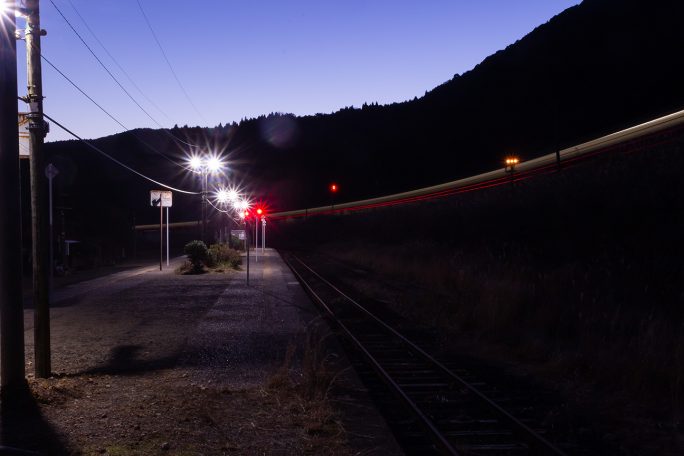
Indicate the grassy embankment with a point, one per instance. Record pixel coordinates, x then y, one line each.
579 271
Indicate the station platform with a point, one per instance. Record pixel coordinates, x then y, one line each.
143 357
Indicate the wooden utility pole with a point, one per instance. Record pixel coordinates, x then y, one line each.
39 229
11 306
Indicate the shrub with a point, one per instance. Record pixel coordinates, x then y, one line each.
197 254
222 255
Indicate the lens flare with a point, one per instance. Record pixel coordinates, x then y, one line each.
222 196
214 164
195 162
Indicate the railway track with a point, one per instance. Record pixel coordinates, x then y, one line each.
442 411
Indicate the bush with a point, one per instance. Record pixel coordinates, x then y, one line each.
197 254
222 255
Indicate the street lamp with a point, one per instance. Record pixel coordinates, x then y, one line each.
204 165
229 197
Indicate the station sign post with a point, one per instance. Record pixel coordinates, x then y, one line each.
162 199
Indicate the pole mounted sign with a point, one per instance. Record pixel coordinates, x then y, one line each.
161 197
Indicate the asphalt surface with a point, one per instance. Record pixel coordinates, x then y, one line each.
243 338
215 324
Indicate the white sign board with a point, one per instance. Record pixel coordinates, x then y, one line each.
24 150
240 234
157 197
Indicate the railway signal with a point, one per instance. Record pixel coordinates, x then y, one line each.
511 162
333 190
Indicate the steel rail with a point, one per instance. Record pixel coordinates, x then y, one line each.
523 430
426 422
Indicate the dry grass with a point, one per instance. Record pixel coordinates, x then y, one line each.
563 319
170 413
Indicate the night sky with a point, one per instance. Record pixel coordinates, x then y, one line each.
240 59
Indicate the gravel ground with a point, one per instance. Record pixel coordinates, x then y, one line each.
149 362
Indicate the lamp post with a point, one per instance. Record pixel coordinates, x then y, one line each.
205 165
224 197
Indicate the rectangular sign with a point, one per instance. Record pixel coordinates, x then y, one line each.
157 197
24 150
240 234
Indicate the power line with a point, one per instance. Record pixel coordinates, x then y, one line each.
116 62
168 62
222 210
105 66
115 79
54 67
111 116
100 151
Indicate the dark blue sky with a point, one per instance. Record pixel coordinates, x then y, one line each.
245 58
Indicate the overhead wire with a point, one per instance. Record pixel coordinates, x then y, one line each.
116 62
105 66
114 78
61 73
105 154
222 210
168 62
110 115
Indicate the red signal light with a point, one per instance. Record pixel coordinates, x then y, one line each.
333 188
260 211
245 214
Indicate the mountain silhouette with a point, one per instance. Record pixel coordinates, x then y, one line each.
595 68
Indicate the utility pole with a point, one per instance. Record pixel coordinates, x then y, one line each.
37 131
11 305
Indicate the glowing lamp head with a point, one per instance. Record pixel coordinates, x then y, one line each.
233 195
260 211
333 188
214 164
242 205
195 163
245 214
222 196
